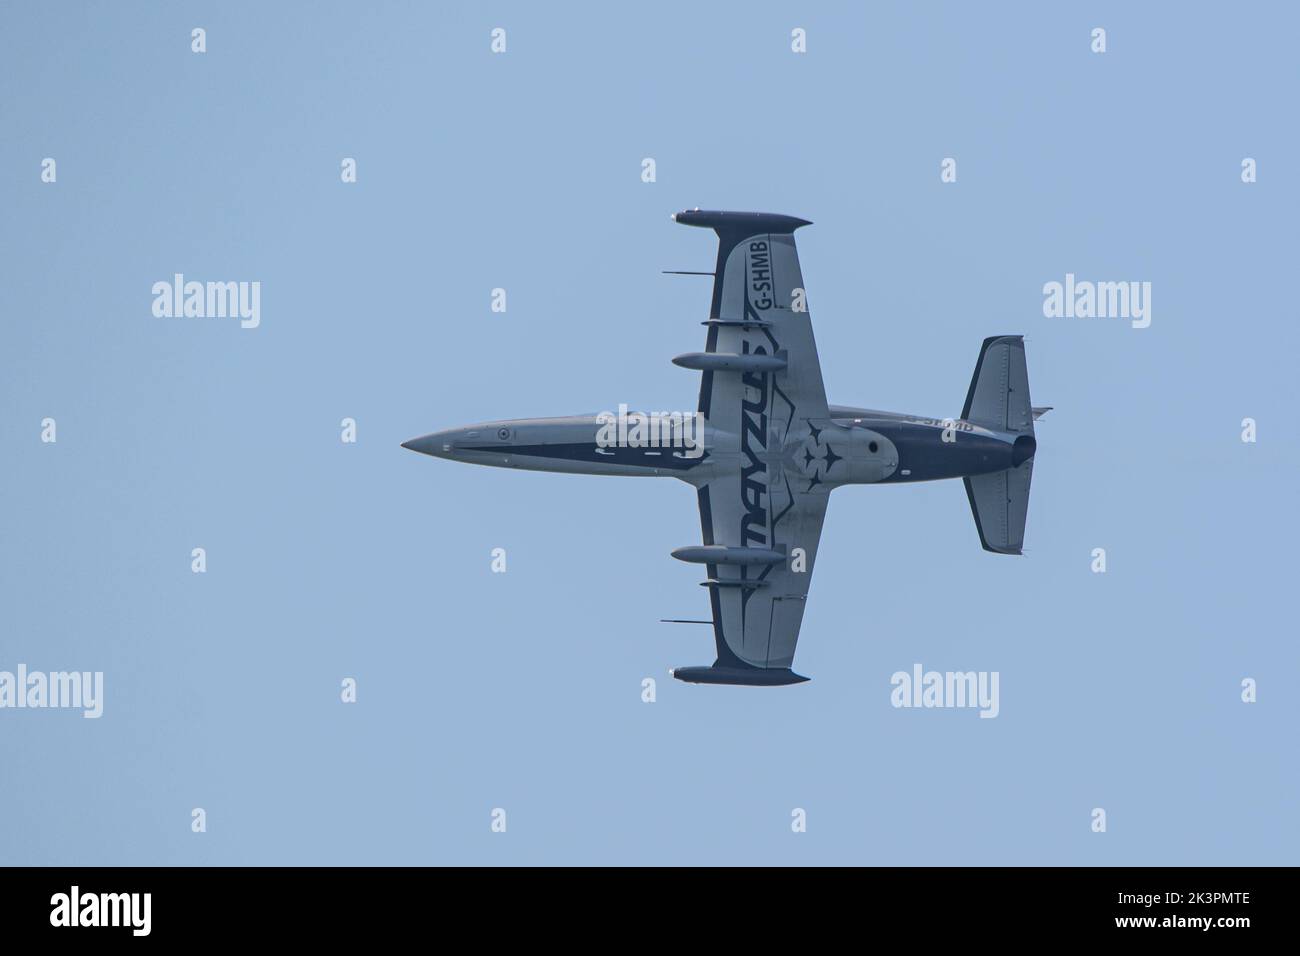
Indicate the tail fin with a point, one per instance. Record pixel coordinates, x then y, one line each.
999 400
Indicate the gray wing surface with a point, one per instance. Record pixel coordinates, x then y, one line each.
757 611
759 308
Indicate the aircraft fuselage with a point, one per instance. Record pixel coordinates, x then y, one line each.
854 446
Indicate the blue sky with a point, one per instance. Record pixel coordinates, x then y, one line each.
523 690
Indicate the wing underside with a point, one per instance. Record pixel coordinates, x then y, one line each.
757 610
759 308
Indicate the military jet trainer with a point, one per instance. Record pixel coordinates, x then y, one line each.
770 449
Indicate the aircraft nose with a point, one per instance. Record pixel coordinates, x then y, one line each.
431 444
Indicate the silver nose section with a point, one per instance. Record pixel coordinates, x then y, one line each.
437 444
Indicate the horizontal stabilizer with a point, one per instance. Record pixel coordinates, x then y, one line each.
999 501
999 399
999 390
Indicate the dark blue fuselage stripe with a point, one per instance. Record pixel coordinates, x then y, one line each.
591 452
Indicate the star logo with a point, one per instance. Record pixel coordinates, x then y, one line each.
818 458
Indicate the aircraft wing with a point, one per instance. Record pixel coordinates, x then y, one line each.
760 529
757 609
759 307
